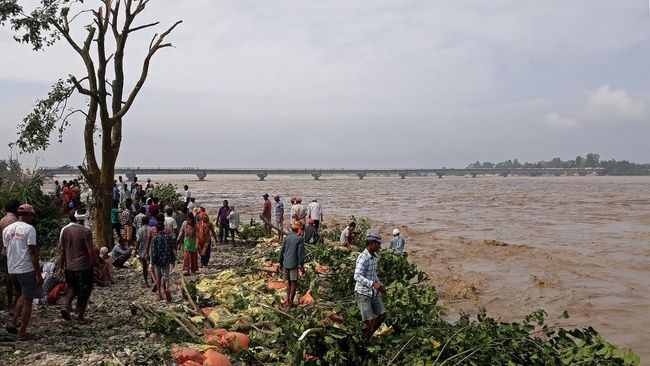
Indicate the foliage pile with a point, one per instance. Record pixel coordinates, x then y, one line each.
328 330
168 193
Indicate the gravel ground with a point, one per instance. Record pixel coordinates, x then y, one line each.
114 336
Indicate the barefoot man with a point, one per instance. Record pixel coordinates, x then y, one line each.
78 258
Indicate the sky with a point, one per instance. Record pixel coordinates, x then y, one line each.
365 84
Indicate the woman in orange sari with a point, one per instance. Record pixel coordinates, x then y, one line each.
204 242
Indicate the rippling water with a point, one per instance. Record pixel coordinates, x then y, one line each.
510 244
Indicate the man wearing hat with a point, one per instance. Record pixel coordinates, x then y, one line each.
397 243
78 257
368 286
292 259
22 261
266 214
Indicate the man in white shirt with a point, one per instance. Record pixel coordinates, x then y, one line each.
348 234
315 212
187 194
22 261
233 223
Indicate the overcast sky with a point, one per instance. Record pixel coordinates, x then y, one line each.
368 84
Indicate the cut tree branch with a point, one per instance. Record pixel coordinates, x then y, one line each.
143 27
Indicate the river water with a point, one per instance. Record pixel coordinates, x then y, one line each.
511 245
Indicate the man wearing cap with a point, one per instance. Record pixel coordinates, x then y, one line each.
397 243
78 257
292 259
22 262
368 286
299 212
266 214
11 216
278 209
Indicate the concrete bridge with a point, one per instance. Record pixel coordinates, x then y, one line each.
202 173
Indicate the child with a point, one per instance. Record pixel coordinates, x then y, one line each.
187 236
163 257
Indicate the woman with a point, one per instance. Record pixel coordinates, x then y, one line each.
187 236
204 242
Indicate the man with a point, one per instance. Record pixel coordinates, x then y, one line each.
266 214
11 216
23 266
368 286
315 212
279 215
348 234
292 259
311 235
299 212
192 204
180 218
116 193
78 258
233 223
171 226
126 221
137 221
134 185
397 243
187 194
121 253
224 225
142 239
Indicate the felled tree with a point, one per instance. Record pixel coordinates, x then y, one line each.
107 27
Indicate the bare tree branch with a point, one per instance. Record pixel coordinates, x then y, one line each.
145 70
143 27
80 87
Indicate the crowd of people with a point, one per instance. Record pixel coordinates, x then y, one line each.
156 232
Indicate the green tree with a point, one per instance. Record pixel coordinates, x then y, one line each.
107 27
591 161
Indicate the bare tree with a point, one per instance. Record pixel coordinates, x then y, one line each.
102 84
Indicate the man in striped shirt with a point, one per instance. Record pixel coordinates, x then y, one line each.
368 286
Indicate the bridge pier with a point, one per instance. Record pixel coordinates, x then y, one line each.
262 176
361 175
316 175
201 176
474 174
131 176
402 175
505 174
440 174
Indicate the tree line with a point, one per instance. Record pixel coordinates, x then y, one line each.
591 160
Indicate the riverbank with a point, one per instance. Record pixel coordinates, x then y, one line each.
115 336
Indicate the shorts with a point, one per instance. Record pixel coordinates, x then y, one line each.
370 306
291 274
26 285
81 282
163 271
127 232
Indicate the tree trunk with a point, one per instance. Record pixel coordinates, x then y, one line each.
103 227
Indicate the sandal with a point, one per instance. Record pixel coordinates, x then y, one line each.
65 315
22 338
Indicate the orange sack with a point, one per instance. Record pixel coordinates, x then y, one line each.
306 299
214 358
183 354
277 285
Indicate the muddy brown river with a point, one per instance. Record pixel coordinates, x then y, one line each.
511 245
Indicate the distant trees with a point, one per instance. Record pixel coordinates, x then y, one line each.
591 160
